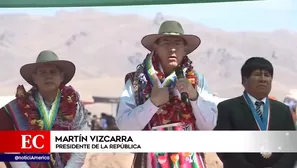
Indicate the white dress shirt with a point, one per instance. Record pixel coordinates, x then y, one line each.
254 100
132 117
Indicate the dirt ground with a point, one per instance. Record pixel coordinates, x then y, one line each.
125 160
212 161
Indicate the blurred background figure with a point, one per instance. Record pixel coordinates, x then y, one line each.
291 101
103 121
272 97
89 118
107 122
95 125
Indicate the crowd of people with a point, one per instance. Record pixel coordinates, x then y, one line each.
104 122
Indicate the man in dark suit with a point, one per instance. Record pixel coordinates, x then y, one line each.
255 111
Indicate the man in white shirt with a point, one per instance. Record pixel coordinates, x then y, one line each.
152 98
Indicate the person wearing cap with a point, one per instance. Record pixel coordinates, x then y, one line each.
48 105
151 99
255 111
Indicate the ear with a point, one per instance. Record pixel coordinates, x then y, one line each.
155 46
244 80
185 49
62 76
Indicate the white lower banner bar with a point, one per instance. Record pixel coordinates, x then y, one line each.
173 141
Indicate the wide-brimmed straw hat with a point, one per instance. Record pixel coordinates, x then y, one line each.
171 28
48 57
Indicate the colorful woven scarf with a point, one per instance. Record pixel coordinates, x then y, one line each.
175 110
60 117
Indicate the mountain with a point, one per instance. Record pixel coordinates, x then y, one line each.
105 46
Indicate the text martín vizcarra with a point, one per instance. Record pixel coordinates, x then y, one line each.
95 142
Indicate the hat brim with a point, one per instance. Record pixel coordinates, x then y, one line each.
192 41
67 67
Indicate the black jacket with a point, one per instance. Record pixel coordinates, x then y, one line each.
234 114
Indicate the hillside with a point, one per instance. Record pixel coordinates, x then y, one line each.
105 47
108 46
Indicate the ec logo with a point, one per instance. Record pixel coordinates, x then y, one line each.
28 141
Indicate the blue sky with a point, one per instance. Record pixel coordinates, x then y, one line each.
265 15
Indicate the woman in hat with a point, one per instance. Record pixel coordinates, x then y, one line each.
48 105
152 97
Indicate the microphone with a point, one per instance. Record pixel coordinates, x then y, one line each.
180 75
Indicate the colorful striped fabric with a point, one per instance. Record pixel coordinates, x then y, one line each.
174 160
